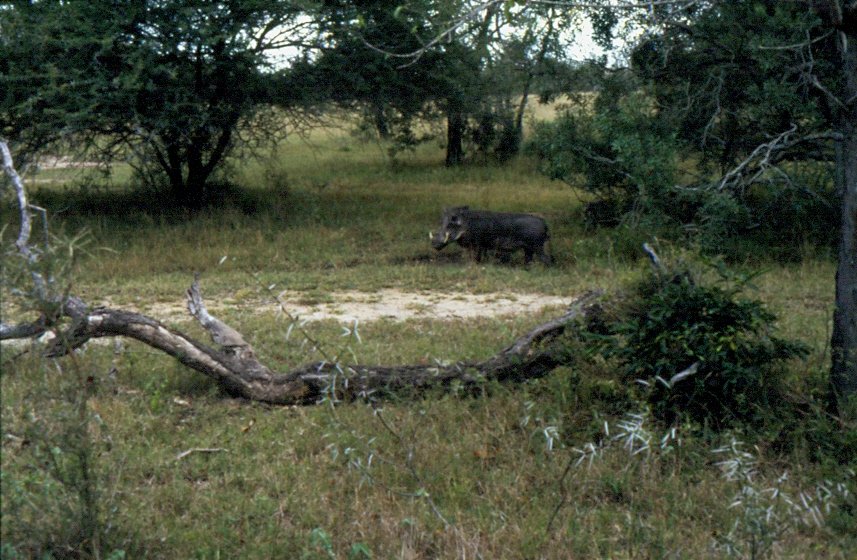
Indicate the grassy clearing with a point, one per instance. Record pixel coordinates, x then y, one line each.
455 476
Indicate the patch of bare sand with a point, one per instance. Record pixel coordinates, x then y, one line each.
349 306
390 304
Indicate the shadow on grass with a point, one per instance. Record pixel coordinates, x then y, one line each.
147 205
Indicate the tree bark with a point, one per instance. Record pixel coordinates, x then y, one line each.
843 373
454 135
380 117
235 367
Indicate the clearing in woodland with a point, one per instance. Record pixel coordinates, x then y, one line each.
567 466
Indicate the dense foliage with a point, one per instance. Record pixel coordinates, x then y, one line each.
702 352
715 129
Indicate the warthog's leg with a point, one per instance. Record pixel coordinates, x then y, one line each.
544 257
504 257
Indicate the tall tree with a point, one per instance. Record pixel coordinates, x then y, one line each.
774 83
839 17
172 82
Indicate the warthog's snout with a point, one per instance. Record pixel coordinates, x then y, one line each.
439 240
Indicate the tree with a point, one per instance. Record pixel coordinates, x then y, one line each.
492 61
840 19
812 47
477 79
171 84
370 60
358 69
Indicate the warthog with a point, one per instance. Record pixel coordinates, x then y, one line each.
500 232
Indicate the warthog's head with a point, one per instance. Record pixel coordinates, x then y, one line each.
452 227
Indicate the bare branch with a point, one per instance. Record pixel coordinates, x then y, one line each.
450 28
656 260
766 156
220 332
40 283
23 241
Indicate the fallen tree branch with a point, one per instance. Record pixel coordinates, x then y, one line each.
236 369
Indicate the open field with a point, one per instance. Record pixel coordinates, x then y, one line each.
517 472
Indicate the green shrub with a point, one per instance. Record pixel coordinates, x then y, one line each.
775 220
700 352
624 149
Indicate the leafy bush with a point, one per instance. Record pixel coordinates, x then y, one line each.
700 351
620 153
773 219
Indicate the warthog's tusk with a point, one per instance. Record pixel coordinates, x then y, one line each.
431 236
446 237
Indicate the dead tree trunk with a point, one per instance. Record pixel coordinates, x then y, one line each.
234 366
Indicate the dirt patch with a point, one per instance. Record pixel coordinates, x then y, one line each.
350 306
395 305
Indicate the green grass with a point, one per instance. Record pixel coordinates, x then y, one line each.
443 476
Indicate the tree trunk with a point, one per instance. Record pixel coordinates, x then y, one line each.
454 136
843 373
173 168
236 369
380 118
